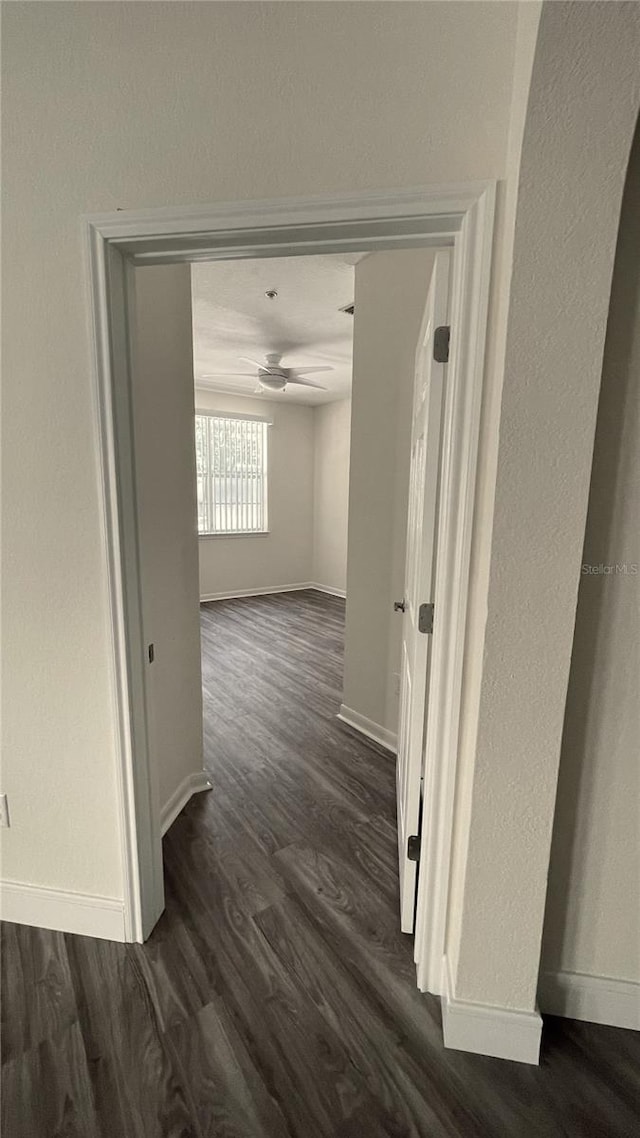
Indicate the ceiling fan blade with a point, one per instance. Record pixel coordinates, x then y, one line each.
264 366
228 375
305 382
309 370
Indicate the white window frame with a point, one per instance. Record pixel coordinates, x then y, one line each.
254 508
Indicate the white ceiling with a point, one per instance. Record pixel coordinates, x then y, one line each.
232 317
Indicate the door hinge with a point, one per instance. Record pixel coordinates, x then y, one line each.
425 618
413 847
441 338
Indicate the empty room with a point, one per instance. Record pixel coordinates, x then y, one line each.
319 782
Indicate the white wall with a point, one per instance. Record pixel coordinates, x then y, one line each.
283 555
165 464
118 106
332 429
526 37
390 296
592 923
577 137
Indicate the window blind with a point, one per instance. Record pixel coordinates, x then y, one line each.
231 468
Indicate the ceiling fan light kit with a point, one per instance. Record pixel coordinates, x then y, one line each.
271 382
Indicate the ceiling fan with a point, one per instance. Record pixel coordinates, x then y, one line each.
272 376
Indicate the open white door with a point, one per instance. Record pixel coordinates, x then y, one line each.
426 435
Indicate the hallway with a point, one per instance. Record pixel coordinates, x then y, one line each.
276 996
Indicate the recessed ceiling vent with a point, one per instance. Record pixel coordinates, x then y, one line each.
349 309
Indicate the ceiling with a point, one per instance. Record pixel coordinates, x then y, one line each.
232 317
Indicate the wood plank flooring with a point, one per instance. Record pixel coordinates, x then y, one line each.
276 997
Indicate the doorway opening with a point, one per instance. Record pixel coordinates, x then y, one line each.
285 686
460 220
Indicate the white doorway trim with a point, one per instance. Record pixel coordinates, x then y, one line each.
457 216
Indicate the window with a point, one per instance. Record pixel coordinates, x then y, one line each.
231 467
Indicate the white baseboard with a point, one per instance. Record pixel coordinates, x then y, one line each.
298 587
328 589
367 727
192 784
486 1030
64 911
596 999
255 592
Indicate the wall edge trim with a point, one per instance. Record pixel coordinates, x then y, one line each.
191 784
62 910
593 998
367 727
484 1029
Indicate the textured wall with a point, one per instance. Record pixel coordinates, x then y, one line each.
165 464
390 297
480 562
577 138
592 922
130 105
331 431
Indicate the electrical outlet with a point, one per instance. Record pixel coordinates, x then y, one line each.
4 811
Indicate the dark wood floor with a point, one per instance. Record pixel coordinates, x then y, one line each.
276 995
